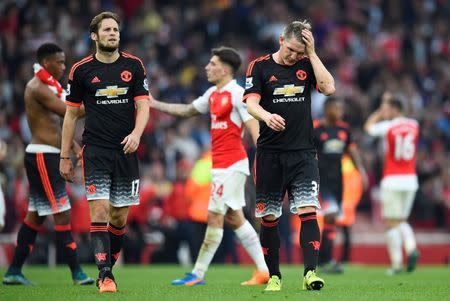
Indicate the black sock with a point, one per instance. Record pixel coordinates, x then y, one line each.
25 240
326 246
309 240
67 246
116 241
100 245
270 242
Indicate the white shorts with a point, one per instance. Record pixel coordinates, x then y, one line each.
227 191
396 204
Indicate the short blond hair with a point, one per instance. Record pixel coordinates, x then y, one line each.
295 29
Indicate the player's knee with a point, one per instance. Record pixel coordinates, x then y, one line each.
309 209
99 213
215 220
34 218
234 219
118 216
269 218
62 218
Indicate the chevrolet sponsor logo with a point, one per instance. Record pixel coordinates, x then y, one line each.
288 90
111 91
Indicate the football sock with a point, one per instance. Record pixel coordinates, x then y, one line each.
270 242
100 245
250 241
67 245
309 240
326 246
211 242
409 240
116 241
25 240
394 246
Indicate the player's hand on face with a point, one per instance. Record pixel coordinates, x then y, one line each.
308 39
130 143
276 122
66 169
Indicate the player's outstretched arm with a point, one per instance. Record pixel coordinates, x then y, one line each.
176 109
68 132
273 121
324 79
131 142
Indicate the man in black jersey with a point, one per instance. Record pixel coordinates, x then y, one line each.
333 140
112 85
278 94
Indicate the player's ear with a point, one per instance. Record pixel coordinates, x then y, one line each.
281 40
94 36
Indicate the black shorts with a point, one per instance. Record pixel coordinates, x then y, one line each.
111 175
47 187
278 172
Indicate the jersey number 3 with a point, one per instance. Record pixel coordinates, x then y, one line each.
404 147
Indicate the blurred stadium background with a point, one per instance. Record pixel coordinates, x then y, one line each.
369 46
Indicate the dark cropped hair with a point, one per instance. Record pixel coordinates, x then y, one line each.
332 100
228 56
95 23
396 103
45 50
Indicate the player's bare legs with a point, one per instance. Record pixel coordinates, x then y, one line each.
250 241
101 244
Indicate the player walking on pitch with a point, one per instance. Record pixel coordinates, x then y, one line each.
114 89
278 94
230 163
399 183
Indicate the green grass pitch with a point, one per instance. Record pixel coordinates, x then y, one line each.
223 283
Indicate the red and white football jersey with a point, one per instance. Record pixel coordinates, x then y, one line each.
228 115
400 141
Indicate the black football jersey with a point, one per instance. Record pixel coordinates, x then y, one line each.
332 142
108 92
286 91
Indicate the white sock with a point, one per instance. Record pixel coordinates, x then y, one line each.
394 245
409 240
250 241
211 242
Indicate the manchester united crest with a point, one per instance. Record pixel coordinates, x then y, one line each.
126 76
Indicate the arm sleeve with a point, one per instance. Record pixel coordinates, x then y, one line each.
74 95
253 80
379 129
140 86
240 106
201 103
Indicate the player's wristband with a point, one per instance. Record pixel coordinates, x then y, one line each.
64 158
